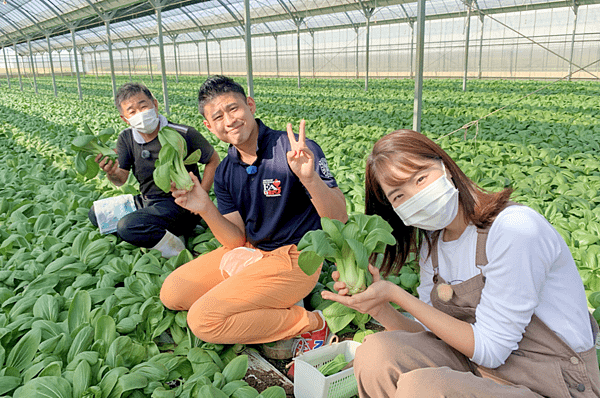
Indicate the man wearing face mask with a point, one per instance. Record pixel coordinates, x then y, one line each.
158 221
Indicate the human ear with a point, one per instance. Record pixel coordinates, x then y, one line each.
251 104
123 118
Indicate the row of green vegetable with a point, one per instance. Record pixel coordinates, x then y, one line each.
80 313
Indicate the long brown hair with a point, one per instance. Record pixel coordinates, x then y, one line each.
398 150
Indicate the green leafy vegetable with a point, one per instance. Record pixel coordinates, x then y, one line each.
88 146
170 165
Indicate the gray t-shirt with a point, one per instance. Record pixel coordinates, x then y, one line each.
130 156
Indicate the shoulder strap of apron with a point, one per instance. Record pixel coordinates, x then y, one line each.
480 252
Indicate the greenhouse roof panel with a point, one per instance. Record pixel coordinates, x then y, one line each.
134 20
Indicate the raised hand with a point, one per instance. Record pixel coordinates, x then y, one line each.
194 200
300 158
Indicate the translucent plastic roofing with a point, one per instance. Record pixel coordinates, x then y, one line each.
134 22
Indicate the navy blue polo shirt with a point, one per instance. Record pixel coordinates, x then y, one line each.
273 203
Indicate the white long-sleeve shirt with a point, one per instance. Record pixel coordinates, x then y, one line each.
530 270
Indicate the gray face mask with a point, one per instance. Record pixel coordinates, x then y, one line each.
433 208
145 122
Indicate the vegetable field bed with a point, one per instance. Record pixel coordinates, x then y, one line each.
80 314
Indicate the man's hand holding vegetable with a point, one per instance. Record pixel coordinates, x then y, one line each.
114 173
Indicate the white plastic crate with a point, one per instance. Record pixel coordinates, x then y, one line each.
310 383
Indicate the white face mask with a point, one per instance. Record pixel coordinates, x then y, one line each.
145 122
433 208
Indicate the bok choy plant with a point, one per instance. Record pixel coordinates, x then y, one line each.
349 246
170 165
88 146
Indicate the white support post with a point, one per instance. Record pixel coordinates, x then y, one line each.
162 55
276 54
76 64
248 36
298 48
174 38
150 60
198 54
18 67
417 110
312 34
220 56
357 71
128 62
6 66
111 58
95 61
70 63
575 9
51 65
206 51
32 66
367 40
467 35
480 48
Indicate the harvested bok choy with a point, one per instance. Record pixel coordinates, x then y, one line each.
88 146
349 246
170 165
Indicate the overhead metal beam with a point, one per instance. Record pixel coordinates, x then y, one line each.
241 30
306 13
123 10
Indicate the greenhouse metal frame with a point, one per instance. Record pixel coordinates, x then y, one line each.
347 38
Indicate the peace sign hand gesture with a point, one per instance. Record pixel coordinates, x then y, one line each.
300 158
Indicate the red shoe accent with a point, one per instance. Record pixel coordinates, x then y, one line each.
309 341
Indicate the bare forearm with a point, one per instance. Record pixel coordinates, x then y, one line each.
329 202
226 232
208 176
456 333
119 177
392 319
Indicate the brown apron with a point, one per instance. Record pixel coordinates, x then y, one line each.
543 362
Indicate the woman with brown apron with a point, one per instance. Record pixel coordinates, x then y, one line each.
502 309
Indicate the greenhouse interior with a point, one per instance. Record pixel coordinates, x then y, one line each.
506 89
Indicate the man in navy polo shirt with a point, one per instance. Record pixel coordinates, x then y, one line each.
271 188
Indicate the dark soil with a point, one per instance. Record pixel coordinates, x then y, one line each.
262 380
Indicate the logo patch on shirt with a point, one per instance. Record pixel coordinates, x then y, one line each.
272 188
324 168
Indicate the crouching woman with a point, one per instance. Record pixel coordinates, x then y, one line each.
502 309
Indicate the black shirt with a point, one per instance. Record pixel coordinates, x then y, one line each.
130 156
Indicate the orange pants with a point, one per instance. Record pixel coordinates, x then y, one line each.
255 305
